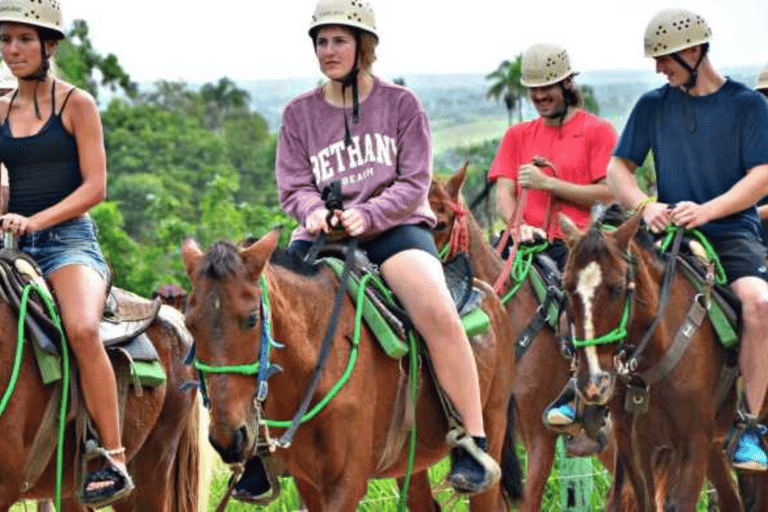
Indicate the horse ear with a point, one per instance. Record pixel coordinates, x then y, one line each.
191 255
457 181
571 233
256 255
627 230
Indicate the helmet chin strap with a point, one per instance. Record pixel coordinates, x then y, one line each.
693 71
40 75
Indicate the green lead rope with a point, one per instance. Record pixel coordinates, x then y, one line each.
522 266
708 249
43 294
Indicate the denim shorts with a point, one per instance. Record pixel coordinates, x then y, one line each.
73 242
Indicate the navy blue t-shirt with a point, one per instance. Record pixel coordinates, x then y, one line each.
702 145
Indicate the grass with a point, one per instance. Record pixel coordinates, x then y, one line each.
466 134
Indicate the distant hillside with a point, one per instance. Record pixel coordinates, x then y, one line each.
458 99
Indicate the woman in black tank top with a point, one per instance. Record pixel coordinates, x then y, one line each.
52 143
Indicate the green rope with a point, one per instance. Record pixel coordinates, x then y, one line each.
347 371
53 313
708 249
522 266
414 389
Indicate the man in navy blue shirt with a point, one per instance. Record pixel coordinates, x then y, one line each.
708 138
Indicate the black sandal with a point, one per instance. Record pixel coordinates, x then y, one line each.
114 474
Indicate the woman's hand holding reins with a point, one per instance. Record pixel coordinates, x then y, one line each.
16 224
353 222
318 221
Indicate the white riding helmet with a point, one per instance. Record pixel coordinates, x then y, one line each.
762 79
544 64
350 13
672 30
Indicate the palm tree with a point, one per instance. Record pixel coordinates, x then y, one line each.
221 99
506 84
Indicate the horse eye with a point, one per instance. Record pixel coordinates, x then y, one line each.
251 321
441 226
615 291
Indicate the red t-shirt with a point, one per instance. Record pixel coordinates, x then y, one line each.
580 151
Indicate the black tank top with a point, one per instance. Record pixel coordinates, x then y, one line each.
43 168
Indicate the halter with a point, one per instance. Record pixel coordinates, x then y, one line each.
262 368
619 333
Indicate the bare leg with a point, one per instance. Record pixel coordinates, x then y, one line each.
753 293
80 292
417 279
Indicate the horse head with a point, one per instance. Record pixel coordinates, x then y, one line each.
445 199
224 316
599 283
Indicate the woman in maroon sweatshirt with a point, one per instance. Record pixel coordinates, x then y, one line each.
374 138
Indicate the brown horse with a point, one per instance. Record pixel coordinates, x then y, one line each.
334 453
542 371
669 430
159 432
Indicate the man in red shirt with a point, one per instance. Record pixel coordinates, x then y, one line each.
560 159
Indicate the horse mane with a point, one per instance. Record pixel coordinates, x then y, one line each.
221 260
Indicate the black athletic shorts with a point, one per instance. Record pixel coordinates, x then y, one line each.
741 256
386 244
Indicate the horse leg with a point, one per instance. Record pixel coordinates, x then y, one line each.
420 493
336 498
540 447
719 474
313 501
687 476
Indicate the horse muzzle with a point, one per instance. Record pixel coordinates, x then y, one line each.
596 388
232 446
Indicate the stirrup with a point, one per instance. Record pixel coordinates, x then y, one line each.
115 473
458 438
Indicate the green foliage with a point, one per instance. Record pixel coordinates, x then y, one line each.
81 64
506 85
590 102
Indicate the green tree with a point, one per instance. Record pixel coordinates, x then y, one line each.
590 102
222 99
81 64
505 84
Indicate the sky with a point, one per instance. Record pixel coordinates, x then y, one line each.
199 41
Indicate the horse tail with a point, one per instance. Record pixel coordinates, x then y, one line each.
511 469
186 466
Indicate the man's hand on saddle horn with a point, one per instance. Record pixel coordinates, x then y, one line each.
689 215
657 216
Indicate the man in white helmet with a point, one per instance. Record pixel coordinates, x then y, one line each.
708 137
560 159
